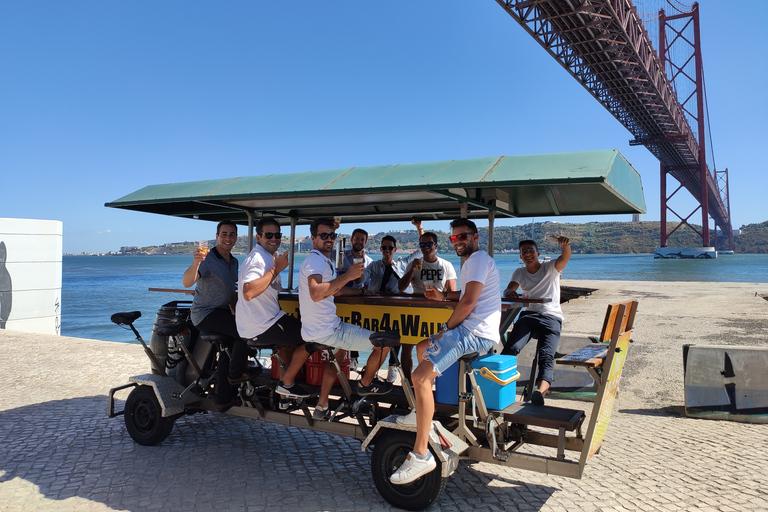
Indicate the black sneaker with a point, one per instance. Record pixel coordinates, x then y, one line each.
537 398
285 403
377 387
295 391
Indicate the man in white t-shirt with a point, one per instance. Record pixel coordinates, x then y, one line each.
472 327
318 284
540 280
258 314
432 271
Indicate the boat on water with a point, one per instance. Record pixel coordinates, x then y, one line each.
702 253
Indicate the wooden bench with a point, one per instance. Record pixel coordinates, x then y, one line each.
619 319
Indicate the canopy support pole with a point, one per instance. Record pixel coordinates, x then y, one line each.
491 219
290 253
249 214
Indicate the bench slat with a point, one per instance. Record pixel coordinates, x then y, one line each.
544 416
591 356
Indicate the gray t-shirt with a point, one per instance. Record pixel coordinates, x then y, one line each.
215 286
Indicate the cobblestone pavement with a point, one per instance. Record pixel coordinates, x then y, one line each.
59 451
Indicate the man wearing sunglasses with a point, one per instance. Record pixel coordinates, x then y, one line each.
472 327
384 274
430 271
259 317
318 284
540 280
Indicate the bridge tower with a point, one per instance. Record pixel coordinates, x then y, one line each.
688 76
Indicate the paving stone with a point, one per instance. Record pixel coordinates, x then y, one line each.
60 452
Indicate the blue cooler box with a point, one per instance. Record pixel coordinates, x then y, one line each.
447 386
497 377
495 374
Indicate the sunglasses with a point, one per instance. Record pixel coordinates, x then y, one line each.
387 247
426 244
270 236
460 237
326 236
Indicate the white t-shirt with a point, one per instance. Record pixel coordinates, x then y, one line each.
255 316
439 272
318 319
485 318
545 283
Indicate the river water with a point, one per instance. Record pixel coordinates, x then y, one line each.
94 287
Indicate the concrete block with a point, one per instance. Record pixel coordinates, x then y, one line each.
726 382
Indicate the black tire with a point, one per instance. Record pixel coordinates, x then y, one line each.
143 417
389 452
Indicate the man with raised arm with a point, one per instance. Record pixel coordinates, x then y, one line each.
472 327
540 280
215 274
318 284
356 251
259 317
428 272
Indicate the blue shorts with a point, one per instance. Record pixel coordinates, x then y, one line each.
347 337
453 344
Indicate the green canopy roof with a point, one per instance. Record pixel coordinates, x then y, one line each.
582 183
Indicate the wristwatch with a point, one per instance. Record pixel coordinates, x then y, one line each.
445 294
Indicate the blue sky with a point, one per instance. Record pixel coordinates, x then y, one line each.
98 99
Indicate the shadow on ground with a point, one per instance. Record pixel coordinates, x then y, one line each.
69 448
676 411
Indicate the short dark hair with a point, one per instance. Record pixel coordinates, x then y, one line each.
457 223
265 221
225 223
361 231
322 221
527 242
430 234
389 238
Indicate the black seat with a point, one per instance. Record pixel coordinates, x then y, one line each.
125 318
472 356
256 344
214 337
172 329
316 347
385 339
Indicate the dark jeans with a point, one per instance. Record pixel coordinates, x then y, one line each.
546 329
286 332
222 321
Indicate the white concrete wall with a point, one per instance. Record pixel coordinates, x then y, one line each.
30 275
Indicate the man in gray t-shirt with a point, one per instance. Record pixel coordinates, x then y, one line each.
540 281
215 275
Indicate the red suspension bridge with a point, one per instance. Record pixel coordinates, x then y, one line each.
606 47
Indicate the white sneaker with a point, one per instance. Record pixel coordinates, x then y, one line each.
409 420
413 468
391 374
